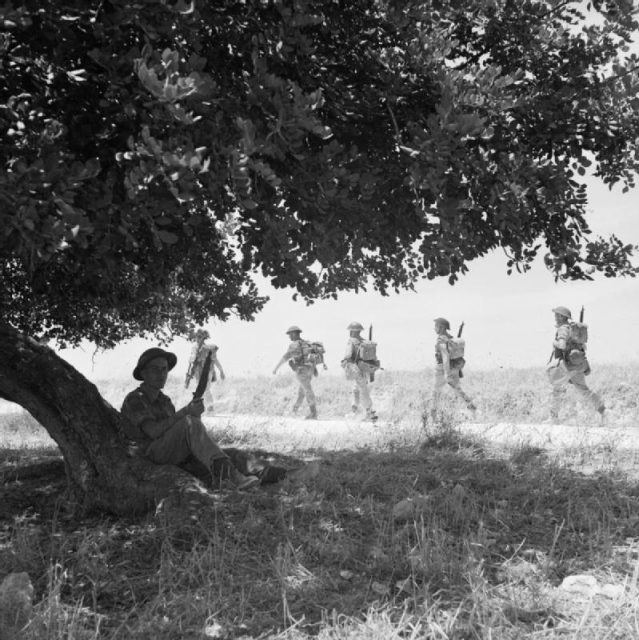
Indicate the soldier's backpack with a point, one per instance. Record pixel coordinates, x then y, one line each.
456 348
578 336
367 351
313 352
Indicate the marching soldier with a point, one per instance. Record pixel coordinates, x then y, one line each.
304 371
196 362
571 365
448 369
359 370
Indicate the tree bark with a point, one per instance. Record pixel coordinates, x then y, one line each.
102 474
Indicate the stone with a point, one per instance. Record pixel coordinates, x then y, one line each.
16 603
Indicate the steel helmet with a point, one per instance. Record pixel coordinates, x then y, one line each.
563 311
293 329
444 322
355 326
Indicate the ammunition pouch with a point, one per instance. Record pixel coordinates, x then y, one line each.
575 357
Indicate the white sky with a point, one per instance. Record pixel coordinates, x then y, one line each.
508 319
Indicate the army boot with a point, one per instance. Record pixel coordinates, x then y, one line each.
312 415
371 415
223 473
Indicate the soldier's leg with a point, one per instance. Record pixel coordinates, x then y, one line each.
299 399
186 437
557 397
454 382
590 397
189 437
356 397
208 396
438 387
305 375
364 392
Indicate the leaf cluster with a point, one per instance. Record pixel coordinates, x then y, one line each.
157 154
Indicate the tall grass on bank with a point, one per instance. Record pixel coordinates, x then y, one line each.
479 550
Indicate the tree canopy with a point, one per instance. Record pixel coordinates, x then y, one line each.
157 154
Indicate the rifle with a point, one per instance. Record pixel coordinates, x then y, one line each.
459 335
203 381
581 314
189 376
371 375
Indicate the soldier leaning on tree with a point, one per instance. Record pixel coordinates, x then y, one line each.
570 364
167 436
196 362
296 356
360 367
448 367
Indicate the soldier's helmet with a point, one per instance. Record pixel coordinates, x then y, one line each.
355 326
294 328
443 322
563 311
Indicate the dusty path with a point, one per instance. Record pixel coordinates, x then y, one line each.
290 433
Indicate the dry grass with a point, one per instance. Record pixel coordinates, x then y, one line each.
489 535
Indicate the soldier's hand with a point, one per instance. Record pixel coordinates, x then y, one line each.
195 407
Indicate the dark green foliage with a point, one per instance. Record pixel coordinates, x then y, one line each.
157 154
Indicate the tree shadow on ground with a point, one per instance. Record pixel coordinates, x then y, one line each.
296 552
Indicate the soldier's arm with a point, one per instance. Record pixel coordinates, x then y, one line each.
561 340
138 413
442 347
349 354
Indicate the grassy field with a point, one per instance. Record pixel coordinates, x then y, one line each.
427 534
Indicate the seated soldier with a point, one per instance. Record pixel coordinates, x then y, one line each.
167 436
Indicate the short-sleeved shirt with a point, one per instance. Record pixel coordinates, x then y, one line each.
441 344
199 353
563 334
352 348
138 408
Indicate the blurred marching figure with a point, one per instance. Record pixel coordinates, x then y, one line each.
360 364
568 363
303 357
196 362
449 359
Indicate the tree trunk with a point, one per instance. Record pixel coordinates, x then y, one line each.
101 472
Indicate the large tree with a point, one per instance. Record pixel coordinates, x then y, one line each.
157 154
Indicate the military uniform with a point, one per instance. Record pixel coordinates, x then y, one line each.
304 372
569 370
177 442
358 371
150 421
199 352
447 370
